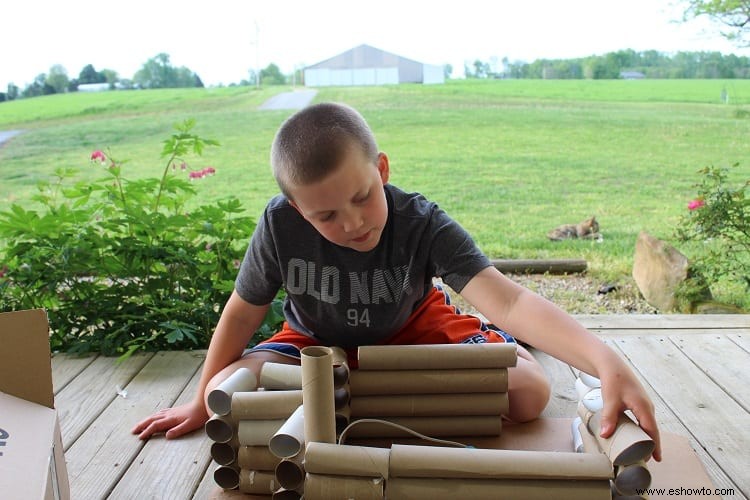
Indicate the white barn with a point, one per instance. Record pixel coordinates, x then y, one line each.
365 65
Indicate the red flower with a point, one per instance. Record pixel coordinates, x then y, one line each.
696 204
99 156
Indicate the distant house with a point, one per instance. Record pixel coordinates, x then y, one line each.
365 65
632 75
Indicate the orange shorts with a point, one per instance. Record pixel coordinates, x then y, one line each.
435 321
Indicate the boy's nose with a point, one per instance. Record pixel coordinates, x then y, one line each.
353 220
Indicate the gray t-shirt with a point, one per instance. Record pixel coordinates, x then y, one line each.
348 298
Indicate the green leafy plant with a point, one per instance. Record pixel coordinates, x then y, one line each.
717 228
125 265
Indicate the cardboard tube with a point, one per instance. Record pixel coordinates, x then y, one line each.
437 356
590 445
257 482
345 460
220 399
430 426
577 438
257 432
317 394
256 458
585 414
340 367
227 476
617 496
387 382
629 444
492 489
630 479
325 487
290 472
284 494
466 463
430 405
280 376
289 440
264 405
225 453
343 417
341 396
220 428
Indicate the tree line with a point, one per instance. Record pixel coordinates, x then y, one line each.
620 64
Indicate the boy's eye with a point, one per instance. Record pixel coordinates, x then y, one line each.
326 217
363 198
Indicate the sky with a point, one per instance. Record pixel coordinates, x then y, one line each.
223 40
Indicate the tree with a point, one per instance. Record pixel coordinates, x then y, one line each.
158 73
271 75
90 75
13 92
734 14
58 79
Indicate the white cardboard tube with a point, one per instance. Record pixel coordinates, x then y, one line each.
289 440
220 399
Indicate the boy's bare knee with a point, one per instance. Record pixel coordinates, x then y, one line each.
528 391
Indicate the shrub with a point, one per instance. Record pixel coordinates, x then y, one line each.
125 265
717 225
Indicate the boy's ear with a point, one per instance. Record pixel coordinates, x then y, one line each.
384 168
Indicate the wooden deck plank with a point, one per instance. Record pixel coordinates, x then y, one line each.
98 459
665 321
668 421
722 360
713 418
168 469
87 395
622 332
66 367
563 398
742 340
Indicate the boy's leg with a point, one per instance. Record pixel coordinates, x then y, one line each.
436 321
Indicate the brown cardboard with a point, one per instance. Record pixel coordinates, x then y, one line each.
453 381
437 356
426 405
32 463
679 468
317 394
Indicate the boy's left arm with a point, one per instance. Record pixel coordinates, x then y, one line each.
538 322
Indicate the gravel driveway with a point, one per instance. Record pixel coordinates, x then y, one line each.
296 99
6 135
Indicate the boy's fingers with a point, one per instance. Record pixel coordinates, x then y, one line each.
609 419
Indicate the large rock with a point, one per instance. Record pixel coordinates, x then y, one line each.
658 269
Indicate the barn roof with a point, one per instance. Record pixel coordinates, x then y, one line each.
363 56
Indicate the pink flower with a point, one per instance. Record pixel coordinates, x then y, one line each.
195 174
3 271
695 204
99 156
209 171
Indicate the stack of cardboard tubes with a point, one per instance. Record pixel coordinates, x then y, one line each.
628 448
281 435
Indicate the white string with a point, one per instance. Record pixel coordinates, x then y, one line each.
342 437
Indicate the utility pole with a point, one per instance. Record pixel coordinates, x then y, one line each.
257 54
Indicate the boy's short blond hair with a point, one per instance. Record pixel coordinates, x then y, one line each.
312 143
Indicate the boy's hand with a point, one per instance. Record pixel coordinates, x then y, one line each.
174 422
622 391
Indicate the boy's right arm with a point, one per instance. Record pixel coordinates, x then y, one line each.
238 321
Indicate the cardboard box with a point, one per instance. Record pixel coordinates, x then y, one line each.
32 463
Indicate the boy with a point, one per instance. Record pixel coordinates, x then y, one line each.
357 256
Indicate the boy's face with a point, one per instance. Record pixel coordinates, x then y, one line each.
348 207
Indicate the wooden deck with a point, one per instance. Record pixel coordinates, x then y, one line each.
696 368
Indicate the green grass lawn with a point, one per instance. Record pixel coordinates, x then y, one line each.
509 159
